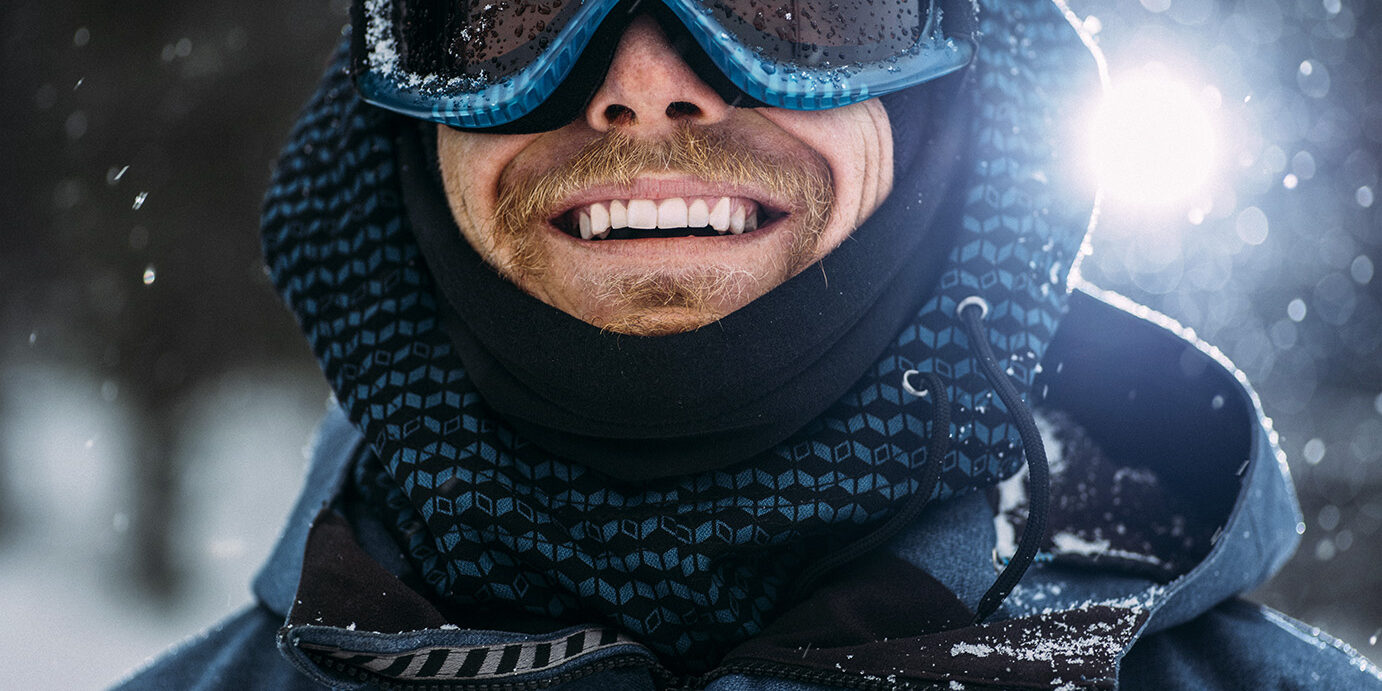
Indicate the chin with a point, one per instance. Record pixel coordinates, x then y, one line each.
659 322
661 303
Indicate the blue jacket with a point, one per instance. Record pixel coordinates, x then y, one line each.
331 612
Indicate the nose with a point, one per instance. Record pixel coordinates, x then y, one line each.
649 90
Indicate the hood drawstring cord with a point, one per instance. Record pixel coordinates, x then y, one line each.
971 312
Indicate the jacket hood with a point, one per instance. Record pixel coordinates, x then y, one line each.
342 227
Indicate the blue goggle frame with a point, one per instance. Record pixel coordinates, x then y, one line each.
475 104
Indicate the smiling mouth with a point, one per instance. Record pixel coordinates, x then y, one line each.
673 217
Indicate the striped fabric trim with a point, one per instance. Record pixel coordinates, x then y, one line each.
478 662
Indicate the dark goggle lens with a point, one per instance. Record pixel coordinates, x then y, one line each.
812 33
485 41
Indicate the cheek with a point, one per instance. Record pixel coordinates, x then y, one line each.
857 145
471 165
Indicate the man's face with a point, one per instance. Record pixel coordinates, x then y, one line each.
663 209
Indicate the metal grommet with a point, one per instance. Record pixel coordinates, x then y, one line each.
907 384
981 303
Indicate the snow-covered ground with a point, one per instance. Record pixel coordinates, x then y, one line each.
71 609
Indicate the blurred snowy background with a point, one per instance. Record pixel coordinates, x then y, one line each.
155 397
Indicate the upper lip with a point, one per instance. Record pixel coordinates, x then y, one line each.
667 188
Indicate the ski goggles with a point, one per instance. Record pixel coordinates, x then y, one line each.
533 65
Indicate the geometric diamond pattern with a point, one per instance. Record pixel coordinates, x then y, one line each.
690 565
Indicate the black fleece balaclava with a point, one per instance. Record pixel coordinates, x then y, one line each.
509 497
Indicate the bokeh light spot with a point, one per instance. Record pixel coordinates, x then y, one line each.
1296 310
1252 225
1361 269
1328 518
1153 138
1313 79
1274 159
1325 550
1192 12
1303 165
1314 451
1335 299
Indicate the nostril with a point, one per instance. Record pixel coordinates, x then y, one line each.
682 109
620 115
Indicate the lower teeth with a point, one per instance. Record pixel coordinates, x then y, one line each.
634 233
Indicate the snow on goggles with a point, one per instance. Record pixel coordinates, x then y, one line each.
507 65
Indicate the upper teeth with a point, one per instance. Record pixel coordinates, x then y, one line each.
724 214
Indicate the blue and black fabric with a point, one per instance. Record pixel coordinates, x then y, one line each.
691 564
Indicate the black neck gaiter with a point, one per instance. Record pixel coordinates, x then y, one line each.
638 408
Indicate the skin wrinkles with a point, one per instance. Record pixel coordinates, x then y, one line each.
654 128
